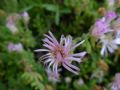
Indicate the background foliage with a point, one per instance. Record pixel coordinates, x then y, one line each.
22 70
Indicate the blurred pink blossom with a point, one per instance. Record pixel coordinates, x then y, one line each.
116 84
107 30
100 28
103 25
11 22
15 47
110 15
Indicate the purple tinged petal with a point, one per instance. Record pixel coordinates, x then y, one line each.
52 62
48 46
74 59
55 67
78 44
69 69
53 37
68 42
48 60
81 54
48 42
46 55
41 50
100 28
111 15
72 66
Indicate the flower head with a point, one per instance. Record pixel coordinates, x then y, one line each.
109 44
107 30
61 53
103 25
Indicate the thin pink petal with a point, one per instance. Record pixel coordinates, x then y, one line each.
74 59
77 44
81 54
41 50
52 62
48 46
49 42
69 69
53 37
72 66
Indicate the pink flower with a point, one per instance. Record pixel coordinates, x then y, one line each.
107 30
15 47
100 28
103 25
61 53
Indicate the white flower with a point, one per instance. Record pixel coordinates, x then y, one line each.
109 44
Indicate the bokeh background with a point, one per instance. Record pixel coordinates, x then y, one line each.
20 69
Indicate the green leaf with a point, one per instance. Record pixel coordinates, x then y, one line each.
50 7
